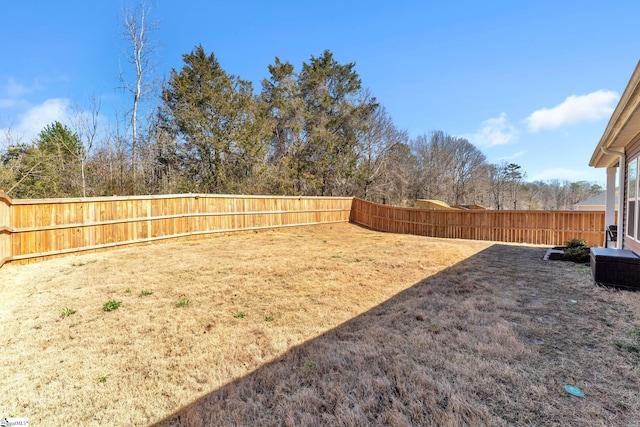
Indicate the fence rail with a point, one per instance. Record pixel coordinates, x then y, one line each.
552 228
32 230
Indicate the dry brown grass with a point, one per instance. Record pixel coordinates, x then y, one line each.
341 326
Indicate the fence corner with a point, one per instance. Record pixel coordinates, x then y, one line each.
5 228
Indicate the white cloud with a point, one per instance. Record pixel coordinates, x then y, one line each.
512 156
16 89
33 120
569 175
575 109
8 103
36 118
494 131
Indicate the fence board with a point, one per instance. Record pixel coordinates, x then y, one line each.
553 228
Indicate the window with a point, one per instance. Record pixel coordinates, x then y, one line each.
632 200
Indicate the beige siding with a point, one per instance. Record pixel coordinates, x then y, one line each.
632 150
631 245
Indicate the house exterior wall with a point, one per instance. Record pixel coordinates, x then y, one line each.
632 151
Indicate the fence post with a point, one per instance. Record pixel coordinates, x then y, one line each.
5 228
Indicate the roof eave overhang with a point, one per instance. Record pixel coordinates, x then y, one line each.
623 127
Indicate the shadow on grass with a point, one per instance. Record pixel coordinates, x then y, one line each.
488 341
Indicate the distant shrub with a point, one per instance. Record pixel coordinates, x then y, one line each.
577 254
576 243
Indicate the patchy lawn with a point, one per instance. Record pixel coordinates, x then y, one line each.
327 325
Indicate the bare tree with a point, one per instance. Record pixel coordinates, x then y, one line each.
497 180
435 164
450 168
467 161
377 141
137 26
86 127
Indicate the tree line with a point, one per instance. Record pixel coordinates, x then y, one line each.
315 132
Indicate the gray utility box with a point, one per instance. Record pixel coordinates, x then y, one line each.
616 267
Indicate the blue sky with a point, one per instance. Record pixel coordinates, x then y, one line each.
530 82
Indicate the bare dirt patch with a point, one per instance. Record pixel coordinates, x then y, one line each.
330 325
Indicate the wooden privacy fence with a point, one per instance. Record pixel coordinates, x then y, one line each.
552 228
32 230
